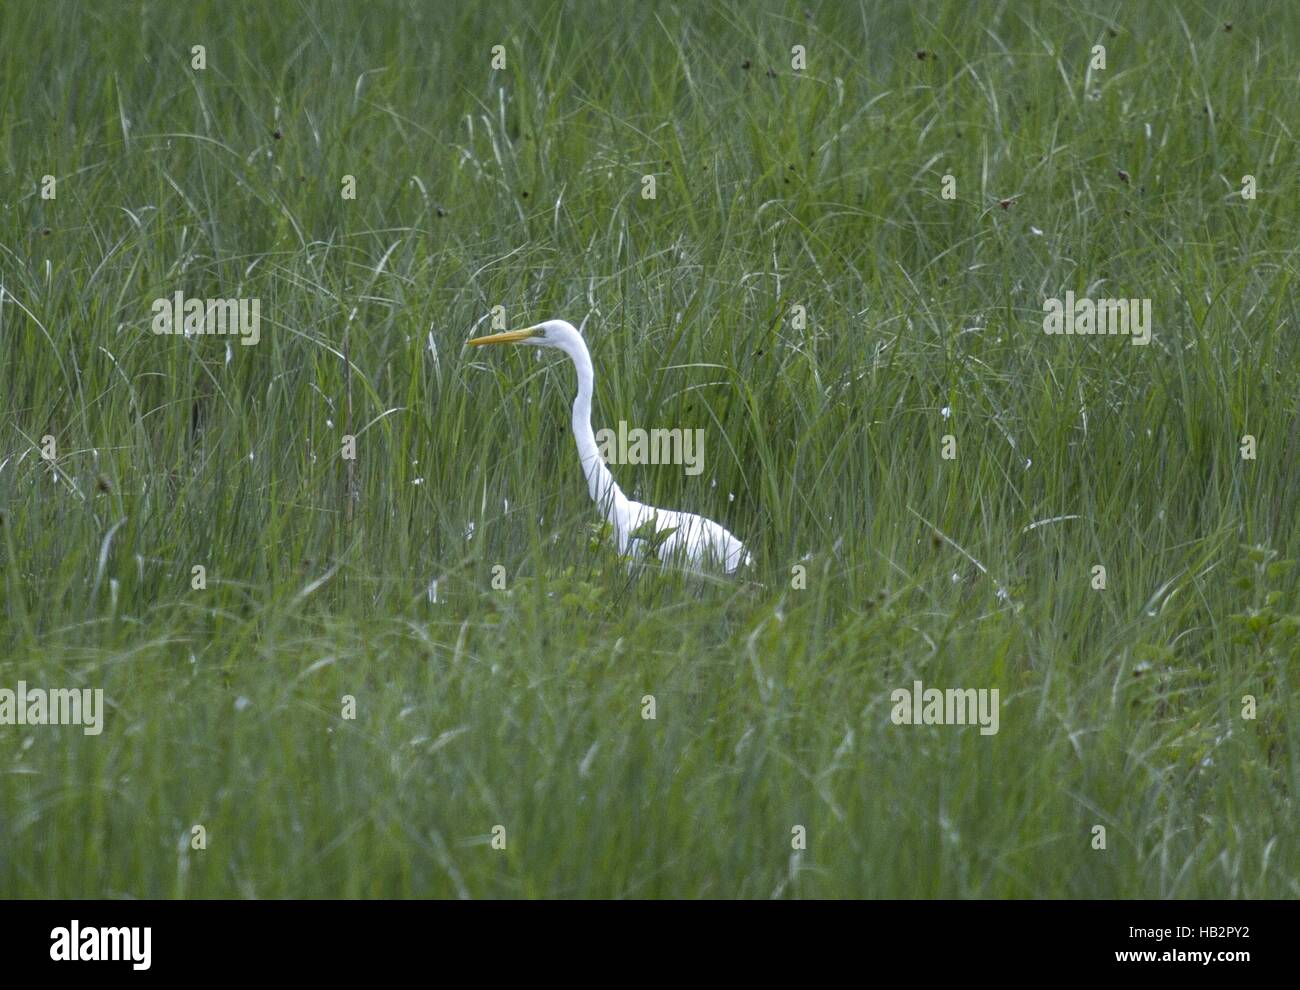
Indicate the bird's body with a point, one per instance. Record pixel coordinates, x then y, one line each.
638 529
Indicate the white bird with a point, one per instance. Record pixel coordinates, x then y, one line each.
638 528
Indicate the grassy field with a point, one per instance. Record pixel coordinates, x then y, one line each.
518 713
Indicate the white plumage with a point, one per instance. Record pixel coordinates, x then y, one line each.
638 528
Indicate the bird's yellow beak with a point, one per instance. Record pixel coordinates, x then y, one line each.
509 337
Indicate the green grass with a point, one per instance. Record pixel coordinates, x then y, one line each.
521 188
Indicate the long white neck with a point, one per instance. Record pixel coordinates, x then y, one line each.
604 491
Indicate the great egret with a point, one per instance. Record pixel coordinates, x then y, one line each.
638 528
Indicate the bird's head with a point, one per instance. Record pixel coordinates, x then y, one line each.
553 333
